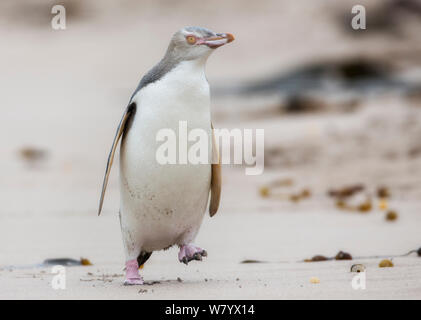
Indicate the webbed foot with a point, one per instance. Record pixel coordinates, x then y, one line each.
190 252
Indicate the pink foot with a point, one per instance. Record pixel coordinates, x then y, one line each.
132 273
189 252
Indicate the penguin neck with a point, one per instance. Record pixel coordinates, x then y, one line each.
197 64
193 67
167 64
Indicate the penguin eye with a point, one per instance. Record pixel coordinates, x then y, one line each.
191 39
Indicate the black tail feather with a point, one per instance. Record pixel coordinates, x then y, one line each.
143 257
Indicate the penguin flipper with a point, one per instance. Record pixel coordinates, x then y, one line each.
120 130
216 178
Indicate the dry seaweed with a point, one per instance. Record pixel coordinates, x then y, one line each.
31 154
287 182
317 258
314 280
383 192
267 191
300 103
294 197
305 193
252 261
346 192
365 206
343 256
341 204
61 261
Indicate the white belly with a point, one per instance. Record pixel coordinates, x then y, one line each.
160 204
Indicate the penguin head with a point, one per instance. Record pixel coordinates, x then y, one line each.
192 43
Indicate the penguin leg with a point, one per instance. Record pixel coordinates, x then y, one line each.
132 273
189 252
132 249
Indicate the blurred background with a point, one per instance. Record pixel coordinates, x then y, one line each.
341 110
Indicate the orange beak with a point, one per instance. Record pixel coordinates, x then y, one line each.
219 40
230 37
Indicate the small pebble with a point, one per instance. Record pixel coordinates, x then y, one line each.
341 204
391 215
85 262
264 192
383 192
314 280
365 206
305 193
386 263
294 197
357 268
383 204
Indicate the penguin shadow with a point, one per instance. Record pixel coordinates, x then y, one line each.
110 278
166 282
155 284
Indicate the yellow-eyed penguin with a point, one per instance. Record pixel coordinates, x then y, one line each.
163 205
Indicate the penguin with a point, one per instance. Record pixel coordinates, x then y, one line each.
164 205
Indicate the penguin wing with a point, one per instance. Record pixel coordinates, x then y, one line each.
120 130
216 178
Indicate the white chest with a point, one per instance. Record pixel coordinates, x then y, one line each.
182 94
170 198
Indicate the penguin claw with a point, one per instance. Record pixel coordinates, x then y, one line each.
197 256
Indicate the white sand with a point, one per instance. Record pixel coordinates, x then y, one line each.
282 237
